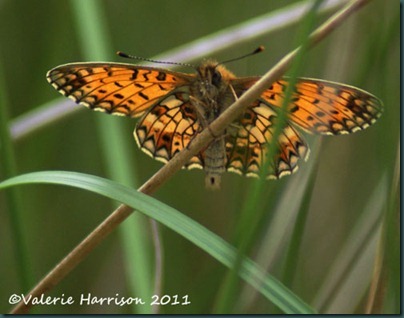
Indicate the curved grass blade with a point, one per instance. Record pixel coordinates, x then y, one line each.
211 243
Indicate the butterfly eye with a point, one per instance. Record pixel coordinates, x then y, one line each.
216 78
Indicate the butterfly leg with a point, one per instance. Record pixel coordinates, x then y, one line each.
233 92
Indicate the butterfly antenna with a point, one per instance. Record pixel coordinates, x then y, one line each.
128 56
257 50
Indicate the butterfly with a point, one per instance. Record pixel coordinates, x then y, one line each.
174 107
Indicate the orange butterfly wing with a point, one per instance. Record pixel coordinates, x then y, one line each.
168 127
316 106
115 88
247 148
324 107
169 122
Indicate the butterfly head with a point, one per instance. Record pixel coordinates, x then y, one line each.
213 79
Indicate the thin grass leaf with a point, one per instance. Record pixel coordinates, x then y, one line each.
96 44
278 233
13 198
388 290
212 244
247 227
291 262
356 256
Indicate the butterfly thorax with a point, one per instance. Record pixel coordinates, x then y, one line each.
211 96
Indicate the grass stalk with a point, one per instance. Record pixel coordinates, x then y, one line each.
252 214
13 197
95 42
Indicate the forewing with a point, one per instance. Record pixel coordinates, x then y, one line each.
167 128
115 88
323 107
247 144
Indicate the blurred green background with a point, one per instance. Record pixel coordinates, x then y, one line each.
353 193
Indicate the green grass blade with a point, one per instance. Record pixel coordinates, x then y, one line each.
271 288
355 258
96 44
13 199
248 226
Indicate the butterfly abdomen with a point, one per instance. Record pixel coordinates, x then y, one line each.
215 157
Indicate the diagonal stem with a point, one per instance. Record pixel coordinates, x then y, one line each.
168 170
